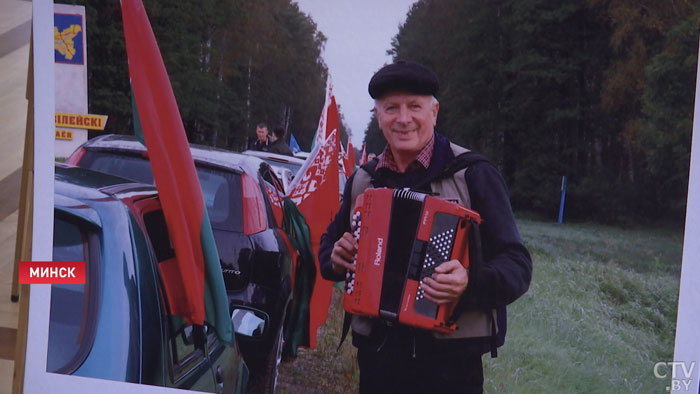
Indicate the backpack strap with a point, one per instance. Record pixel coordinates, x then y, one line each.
463 159
451 183
362 180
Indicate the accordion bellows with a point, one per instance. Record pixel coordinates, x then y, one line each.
402 236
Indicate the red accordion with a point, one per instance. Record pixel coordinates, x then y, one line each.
402 236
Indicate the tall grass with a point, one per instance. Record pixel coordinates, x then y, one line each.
324 369
599 314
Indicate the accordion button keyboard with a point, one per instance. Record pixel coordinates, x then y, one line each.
355 224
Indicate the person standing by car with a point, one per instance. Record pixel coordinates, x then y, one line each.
278 144
262 143
393 357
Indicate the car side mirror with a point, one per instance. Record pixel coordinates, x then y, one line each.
249 322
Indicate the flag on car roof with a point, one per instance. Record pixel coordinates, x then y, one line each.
323 130
363 156
349 160
193 280
315 190
293 144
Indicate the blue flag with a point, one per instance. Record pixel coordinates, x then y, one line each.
293 144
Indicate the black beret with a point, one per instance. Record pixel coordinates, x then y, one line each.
405 76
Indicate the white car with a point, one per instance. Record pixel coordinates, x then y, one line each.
302 155
285 167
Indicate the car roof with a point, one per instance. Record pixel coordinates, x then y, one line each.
75 185
274 157
91 182
204 154
302 155
84 183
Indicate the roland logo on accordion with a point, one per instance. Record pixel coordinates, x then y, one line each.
402 237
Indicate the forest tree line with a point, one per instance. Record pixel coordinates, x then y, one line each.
232 64
600 91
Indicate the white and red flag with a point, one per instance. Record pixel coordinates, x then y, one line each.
315 191
324 128
349 160
363 157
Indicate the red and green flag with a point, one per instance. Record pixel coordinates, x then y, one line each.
193 280
315 191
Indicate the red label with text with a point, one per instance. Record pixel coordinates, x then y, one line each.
51 272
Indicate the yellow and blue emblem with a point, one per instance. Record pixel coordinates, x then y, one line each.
68 38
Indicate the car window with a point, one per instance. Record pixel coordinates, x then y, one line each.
270 177
123 164
71 323
294 167
184 357
222 197
221 189
184 353
274 192
158 235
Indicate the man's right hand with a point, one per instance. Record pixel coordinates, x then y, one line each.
343 254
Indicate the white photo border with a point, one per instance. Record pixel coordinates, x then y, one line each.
36 379
687 346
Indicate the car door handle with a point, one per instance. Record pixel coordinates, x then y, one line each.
219 379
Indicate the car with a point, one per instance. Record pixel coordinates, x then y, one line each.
284 164
116 326
302 155
243 198
286 167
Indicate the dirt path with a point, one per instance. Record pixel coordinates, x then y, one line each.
323 369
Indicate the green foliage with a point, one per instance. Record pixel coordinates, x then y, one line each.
668 113
374 138
548 88
232 64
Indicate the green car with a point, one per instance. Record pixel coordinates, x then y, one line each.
116 326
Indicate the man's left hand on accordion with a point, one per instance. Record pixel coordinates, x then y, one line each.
343 254
447 283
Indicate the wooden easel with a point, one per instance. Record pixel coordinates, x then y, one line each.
23 243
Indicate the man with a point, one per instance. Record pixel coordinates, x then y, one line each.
277 144
394 357
262 143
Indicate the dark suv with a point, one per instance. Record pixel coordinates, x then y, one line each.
243 198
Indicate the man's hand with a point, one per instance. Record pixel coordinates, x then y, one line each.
447 283
343 254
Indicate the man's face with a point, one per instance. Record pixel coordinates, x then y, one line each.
262 133
407 121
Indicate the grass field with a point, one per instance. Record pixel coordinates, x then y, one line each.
599 314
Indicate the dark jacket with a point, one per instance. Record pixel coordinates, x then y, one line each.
280 147
260 146
507 268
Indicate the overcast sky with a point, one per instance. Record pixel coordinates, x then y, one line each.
358 35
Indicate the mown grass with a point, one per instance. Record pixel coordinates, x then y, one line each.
599 314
